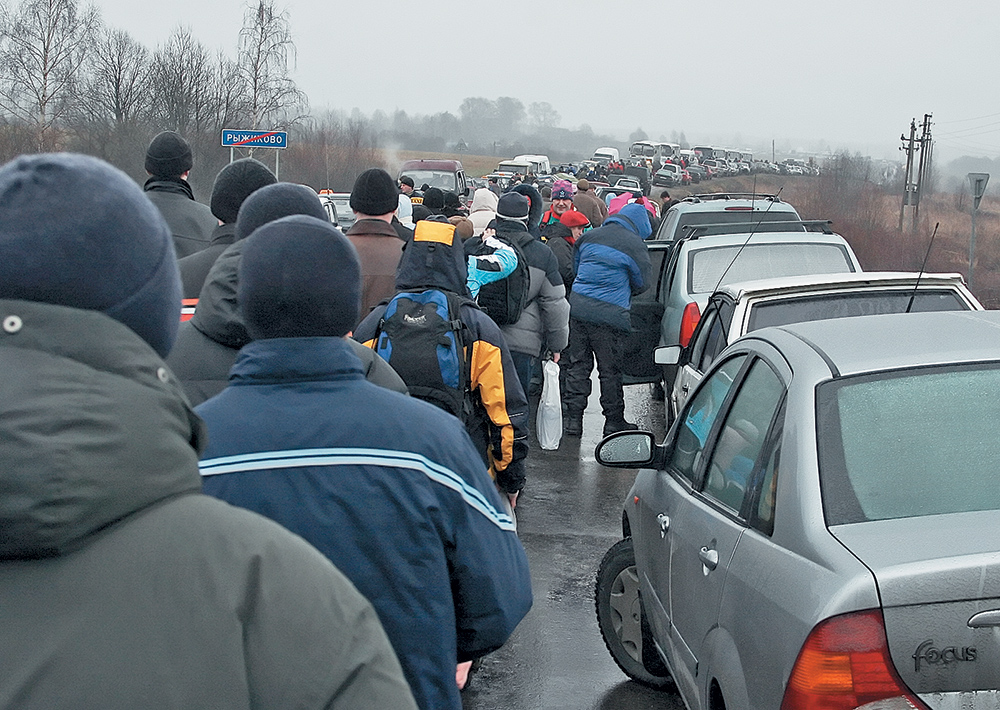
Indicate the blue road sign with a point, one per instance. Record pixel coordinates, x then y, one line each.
254 139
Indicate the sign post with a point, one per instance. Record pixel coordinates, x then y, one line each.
977 181
235 138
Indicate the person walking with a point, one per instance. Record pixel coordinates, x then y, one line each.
168 164
375 200
612 266
388 486
592 206
208 343
123 586
234 183
496 410
544 321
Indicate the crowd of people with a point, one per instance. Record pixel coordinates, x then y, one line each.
209 512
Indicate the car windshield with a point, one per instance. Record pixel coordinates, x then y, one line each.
911 443
799 309
443 179
716 266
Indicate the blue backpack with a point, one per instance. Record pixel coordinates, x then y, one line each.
421 335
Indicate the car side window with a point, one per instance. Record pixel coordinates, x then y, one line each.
702 335
742 436
699 416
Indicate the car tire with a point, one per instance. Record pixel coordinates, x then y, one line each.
622 622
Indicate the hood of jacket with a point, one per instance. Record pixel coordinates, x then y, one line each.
178 186
484 199
535 206
634 218
95 429
217 315
433 262
513 231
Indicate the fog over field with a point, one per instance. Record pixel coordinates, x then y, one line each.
848 74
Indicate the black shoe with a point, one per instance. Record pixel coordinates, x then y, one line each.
573 425
615 425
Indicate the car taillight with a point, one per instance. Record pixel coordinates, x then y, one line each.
739 209
845 664
689 320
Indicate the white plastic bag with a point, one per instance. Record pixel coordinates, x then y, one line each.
548 419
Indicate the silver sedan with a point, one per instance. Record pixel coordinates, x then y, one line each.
821 526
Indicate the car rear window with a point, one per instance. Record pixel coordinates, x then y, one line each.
716 266
907 444
841 305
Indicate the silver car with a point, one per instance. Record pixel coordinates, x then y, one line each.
821 526
736 309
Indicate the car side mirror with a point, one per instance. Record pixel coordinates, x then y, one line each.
667 355
629 449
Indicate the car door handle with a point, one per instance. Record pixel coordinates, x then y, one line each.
985 618
709 558
664 521
685 388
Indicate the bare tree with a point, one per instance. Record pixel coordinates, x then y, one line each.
117 86
183 82
43 45
265 50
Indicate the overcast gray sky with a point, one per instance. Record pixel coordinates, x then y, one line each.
845 73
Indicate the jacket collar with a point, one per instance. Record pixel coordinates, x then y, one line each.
295 360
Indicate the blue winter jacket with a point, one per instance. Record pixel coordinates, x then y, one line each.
612 265
388 487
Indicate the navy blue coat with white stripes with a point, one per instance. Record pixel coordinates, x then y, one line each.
388 487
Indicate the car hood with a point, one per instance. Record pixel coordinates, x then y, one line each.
939 581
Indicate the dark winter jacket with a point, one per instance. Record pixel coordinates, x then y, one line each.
190 222
612 265
535 208
388 486
499 424
207 345
544 322
560 241
379 248
195 267
122 585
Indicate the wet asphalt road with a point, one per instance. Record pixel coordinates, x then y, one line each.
569 516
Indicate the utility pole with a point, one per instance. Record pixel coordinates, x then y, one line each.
923 174
909 147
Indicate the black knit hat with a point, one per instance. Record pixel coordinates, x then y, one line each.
76 232
434 198
168 155
374 193
235 183
272 202
300 277
514 206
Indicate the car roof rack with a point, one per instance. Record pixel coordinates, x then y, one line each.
708 196
693 231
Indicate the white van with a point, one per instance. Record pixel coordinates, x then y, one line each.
607 155
539 163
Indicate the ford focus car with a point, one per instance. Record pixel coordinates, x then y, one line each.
820 528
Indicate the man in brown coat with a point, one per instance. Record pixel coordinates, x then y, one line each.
590 204
374 200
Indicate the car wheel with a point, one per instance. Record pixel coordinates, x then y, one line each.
622 622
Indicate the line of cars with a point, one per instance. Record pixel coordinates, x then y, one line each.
818 528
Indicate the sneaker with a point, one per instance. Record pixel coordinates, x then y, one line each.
615 425
573 425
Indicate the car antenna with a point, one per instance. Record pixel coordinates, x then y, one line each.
913 295
747 241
